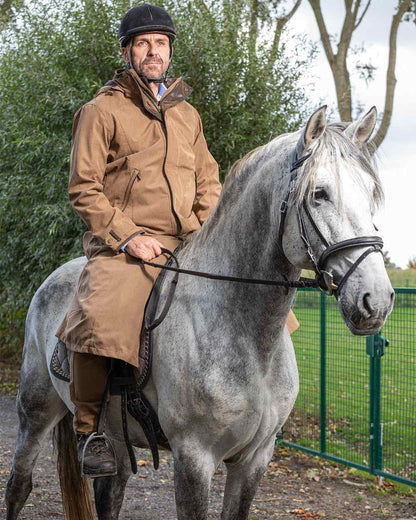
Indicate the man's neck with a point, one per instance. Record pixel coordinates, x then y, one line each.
155 88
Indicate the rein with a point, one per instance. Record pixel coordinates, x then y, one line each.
301 283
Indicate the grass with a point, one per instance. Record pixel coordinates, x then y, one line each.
347 386
398 277
402 277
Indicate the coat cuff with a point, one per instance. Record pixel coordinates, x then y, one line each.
124 244
116 239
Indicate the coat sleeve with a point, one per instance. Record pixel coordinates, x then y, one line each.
91 138
208 186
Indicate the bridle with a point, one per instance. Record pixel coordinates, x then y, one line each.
323 277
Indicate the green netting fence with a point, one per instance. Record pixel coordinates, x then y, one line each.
357 398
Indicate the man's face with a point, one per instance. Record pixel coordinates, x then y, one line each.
150 54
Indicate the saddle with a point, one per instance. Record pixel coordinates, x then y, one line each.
128 381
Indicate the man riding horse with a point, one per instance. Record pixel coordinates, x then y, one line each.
141 178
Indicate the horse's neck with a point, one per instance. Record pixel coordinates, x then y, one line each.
243 243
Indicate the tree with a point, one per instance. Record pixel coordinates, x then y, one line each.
411 264
244 86
355 11
388 262
57 53
8 9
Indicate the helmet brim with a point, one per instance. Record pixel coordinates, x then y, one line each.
162 29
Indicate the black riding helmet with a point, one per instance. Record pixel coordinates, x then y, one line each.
146 18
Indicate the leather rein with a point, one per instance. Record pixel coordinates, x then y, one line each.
323 278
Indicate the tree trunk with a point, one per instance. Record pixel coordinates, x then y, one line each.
338 61
391 76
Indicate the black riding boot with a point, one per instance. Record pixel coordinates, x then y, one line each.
96 456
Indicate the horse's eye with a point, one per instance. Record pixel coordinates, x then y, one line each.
319 195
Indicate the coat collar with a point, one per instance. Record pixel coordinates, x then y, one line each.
132 86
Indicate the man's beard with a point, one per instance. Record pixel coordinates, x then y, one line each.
157 77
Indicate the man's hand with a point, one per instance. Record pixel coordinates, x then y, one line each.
143 247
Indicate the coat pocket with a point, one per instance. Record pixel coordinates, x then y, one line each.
116 180
135 176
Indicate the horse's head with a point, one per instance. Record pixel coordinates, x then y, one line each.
331 199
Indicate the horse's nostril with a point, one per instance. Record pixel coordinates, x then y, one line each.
367 305
392 297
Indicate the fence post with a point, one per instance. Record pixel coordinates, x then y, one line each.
322 440
375 349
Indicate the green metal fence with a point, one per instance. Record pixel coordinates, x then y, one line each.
357 398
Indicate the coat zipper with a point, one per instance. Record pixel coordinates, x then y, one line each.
128 190
178 222
158 107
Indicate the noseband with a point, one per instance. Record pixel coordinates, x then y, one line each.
323 277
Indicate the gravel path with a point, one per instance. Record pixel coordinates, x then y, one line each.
296 486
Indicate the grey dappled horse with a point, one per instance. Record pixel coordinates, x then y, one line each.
224 371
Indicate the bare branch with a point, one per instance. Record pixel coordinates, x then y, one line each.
391 76
326 41
280 25
254 28
289 15
347 30
348 5
362 14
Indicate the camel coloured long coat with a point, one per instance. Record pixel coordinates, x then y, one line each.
138 166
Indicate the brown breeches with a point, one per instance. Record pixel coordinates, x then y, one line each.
88 381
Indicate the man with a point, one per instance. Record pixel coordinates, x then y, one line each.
141 178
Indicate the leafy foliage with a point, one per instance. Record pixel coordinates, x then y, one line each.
388 262
55 55
411 264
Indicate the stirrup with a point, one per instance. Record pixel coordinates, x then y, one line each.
93 436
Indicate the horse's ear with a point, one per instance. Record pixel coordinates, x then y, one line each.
315 126
360 132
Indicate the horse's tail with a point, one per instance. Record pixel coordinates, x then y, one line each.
76 496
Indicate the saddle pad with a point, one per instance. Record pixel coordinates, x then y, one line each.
60 362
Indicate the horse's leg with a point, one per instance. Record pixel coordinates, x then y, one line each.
39 408
109 491
242 482
193 473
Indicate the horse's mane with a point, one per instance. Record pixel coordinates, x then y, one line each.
333 146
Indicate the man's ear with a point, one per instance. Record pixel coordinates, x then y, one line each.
125 54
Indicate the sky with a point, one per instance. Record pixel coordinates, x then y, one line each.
397 154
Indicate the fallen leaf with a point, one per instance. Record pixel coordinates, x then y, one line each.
142 463
303 513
